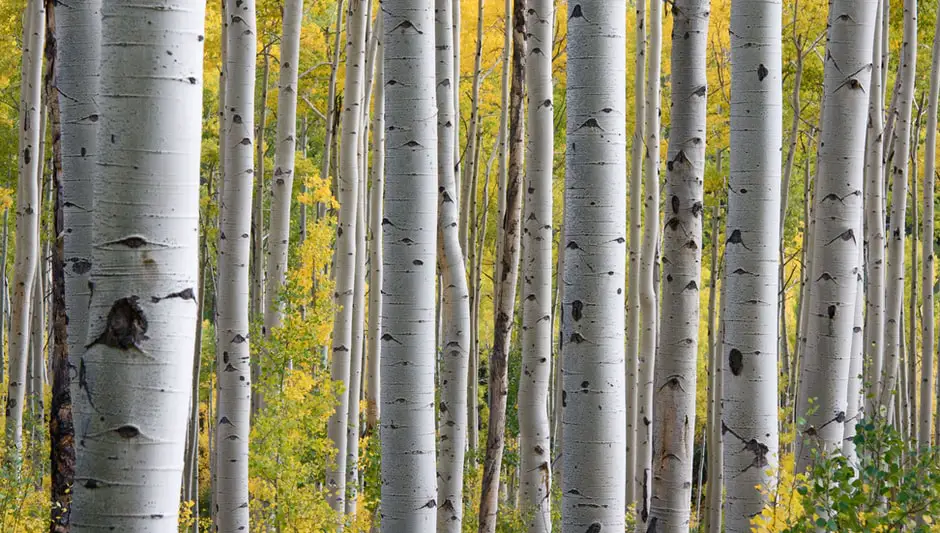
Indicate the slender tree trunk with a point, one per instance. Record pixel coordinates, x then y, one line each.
356 354
713 422
257 212
854 398
910 399
824 372
376 199
894 289
677 355
330 134
4 289
191 461
930 156
283 180
594 397
875 226
749 345
507 270
633 284
27 220
455 306
648 259
408 501
535 379
345 255
142 314
35 371
233 367
468 184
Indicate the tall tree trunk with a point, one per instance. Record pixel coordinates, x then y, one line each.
27 220
594 398
930 159
749 345
142 313
875 225
345 255
35 372
507 270
468 183
534 382
677 355
648 260
824 371
191 461
4 292
636 225
376 200
282 184
232 291
452 418
330 134
713 422
257 212
910 399
894 289
408 278
854 388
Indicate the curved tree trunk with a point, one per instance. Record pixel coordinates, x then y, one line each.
894 288
27 219
824 371
648 261
142 314
749 345
507 273
283 182
452 418
345 255
930 156
409 489
677 356
534 381
594 398
232 292
636 226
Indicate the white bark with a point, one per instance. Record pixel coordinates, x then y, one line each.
930 160
345 254
854 388
408 277
594 398
468 185
331 98
136 371
749 345
648 259
27 218
376 200
283 181
677 356
77 77
534 427
875 225
712 520
452 420
636 225
894 288
824 370
232 292
355 360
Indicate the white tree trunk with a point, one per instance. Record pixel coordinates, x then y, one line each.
636 226
854 389
648 258
27 218
677 356
594 398
76 76
452 419
283 182
712 521
408 278
749 344
930 160
894 288
875 225
137 369
824 371
468 185
232 292
376 200
356 353
534 381
345 255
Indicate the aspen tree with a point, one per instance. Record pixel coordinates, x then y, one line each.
594 399
409 228
452 409
145 239
824 371
376 200
675 373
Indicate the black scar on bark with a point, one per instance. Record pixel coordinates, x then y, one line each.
577 307
736 361
126 325
762 72
594 528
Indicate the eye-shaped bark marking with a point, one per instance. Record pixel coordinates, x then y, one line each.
126 325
